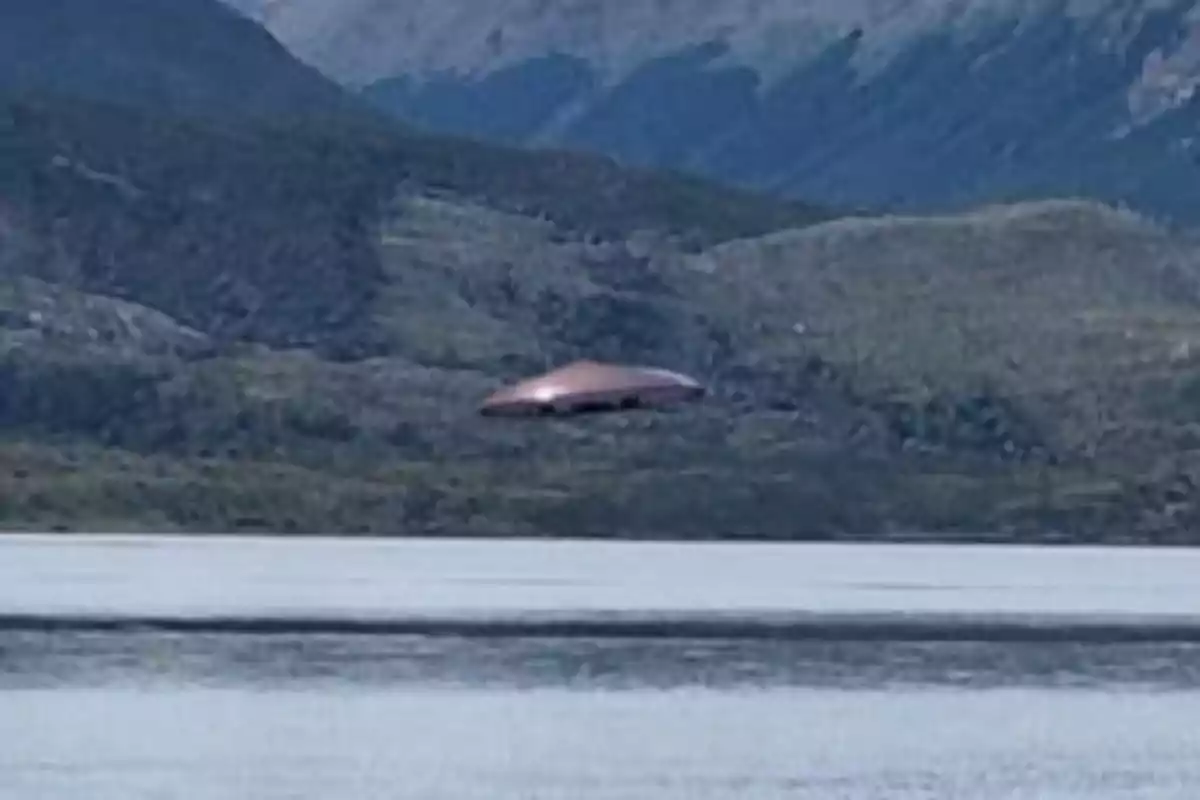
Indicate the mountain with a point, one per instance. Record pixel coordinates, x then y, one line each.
223 315
183 134
912 105
188 58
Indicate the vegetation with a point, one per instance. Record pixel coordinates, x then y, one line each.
119 417
212 322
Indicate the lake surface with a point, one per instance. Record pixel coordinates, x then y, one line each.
341 578
809 709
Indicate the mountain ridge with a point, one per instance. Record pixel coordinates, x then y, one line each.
925 105
466 39
190 59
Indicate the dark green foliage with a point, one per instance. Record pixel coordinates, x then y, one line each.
980 422
613 327
247 235
84 398
596 195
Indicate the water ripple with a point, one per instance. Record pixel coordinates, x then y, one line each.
47 658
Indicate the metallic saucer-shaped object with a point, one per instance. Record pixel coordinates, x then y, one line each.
589 386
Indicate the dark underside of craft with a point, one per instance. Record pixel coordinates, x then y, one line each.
574 407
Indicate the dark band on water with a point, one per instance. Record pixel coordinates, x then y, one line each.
785 627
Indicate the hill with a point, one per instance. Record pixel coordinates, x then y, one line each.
190 58
212 320
920 105
185 135
847 402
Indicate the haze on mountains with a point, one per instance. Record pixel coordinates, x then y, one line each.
234 296
917 105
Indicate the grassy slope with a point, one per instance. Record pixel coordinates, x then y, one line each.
211 323
841 431
1070 307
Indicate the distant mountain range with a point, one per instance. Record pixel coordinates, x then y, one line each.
908 104
235 295
189 58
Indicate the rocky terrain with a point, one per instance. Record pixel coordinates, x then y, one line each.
920 105
215 320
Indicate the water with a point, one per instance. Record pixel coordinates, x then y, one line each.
549 743
342 578
218 711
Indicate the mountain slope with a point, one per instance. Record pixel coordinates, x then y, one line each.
846 400
192 57
182 134
916 104
212 320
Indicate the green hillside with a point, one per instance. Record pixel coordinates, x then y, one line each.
215 320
